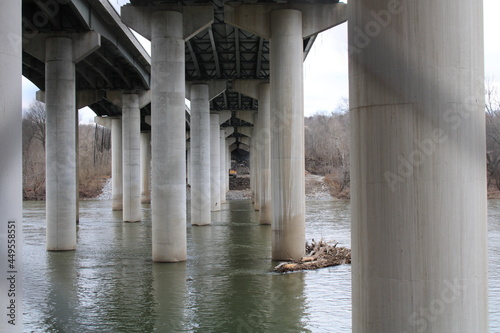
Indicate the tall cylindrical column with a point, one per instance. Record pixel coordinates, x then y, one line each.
131 143
418 171
263 146
256 158
214 162
228 163
60 144
146 167
287 139
116 164
251 159
188 162
11 165
223 171
168 137
200 155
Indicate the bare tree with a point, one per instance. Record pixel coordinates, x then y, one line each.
35 118
327 141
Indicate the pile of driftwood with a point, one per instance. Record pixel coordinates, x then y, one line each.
318 255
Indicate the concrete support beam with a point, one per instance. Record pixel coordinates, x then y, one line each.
200 155
247 131
418 169
168 27
103 121
315 17
146 167
224 116
247 140
215 88
11 180
248 87
229 130
215 162
245 115
223 172
131 145
116 164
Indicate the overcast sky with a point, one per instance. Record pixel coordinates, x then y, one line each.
325 69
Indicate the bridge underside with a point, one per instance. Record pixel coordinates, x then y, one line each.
417 143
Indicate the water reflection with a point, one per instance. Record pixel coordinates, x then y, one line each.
110 283
62 300
170 298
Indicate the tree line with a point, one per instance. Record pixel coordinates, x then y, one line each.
327 149
94 155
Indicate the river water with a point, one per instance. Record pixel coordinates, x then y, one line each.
110 284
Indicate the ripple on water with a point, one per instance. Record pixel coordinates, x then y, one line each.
111 285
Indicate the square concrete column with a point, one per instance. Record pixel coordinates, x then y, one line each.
116 165
131 145
146 167
215 162
418 166
200 155
11 181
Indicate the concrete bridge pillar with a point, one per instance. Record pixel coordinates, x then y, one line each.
286 25
200 94
168 137
263 144
223 171
256 161
131 145
146 167
168 27
61 54
61 51
228 163
215 162
116 165
11 166
261 138
287 140
418 177
200 155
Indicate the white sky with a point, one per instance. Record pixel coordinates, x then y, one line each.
325 69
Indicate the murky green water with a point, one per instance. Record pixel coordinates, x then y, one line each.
110 283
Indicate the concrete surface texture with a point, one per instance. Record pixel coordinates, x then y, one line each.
418 187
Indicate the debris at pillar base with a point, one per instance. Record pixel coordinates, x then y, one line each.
318 255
